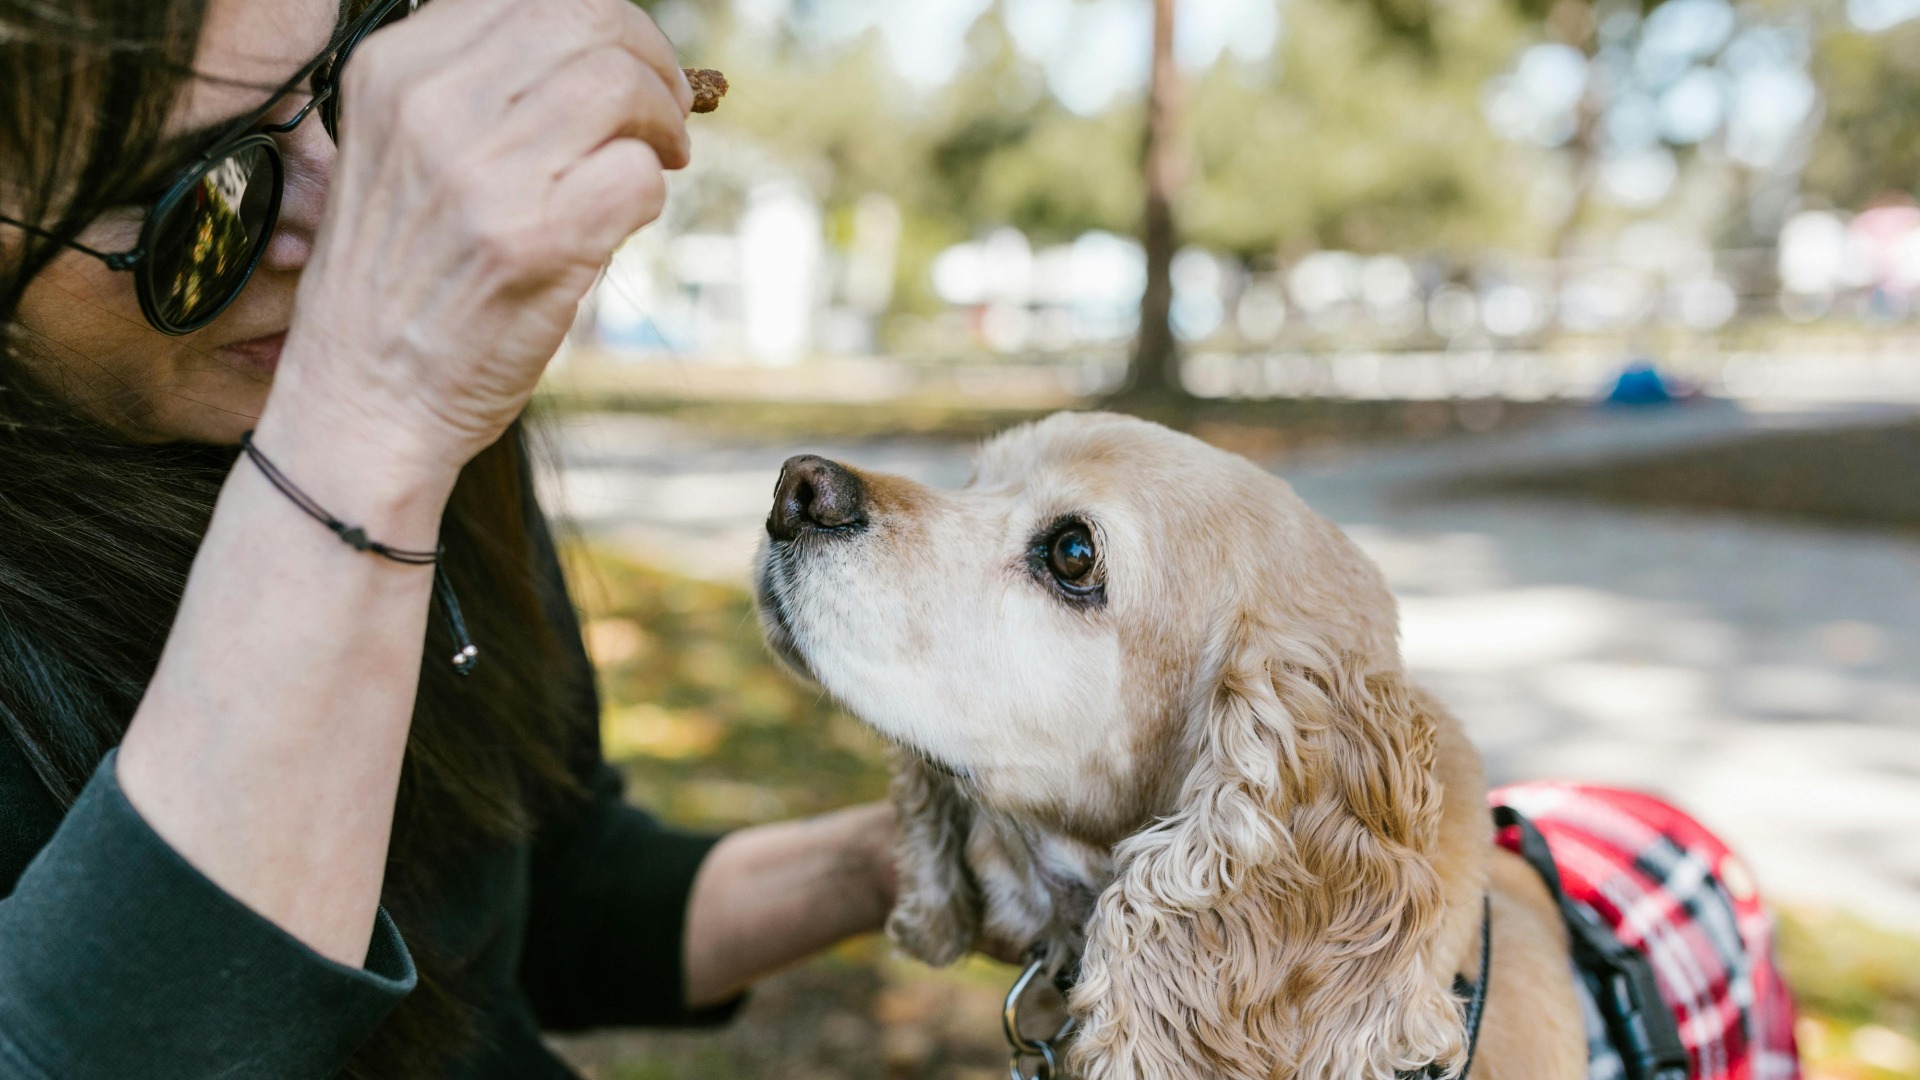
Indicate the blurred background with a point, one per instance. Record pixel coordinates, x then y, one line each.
1593 321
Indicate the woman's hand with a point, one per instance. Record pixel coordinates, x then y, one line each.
494 153
773 894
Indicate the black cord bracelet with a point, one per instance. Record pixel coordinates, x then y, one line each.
468 655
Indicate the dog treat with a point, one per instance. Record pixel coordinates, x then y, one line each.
709 86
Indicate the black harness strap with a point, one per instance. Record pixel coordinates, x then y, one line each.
1475 993
1638 1021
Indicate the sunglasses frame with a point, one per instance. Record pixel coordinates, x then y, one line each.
335 59
248 133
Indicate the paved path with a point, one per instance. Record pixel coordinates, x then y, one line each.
1766 676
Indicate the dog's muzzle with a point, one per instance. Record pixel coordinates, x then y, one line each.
814 500
816 496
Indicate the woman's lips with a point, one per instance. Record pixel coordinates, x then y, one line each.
261 354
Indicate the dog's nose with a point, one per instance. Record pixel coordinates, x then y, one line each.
814 493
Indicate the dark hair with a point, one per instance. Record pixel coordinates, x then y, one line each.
99 532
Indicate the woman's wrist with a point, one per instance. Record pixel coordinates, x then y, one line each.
858 842
367 470
770 895
870 848
267 748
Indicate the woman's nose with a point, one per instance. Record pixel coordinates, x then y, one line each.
308 158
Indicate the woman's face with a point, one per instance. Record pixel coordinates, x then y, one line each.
80 327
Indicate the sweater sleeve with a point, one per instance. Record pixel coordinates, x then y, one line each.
118 958
608 914
608 918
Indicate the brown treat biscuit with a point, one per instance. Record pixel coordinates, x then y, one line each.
709 86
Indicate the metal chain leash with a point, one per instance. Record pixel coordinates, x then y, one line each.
1023 1048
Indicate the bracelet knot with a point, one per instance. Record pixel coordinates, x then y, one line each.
355 537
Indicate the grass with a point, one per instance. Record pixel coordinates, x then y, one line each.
1858 987
708 730
711 733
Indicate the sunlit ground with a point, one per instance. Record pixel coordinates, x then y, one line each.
712 734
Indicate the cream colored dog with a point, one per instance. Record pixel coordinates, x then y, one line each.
1153 718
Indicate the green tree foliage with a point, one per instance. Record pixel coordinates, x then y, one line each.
1352 139
1869 140
1345 136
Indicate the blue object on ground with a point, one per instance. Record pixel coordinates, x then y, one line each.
1640 384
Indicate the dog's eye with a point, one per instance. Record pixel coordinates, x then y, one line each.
1070 555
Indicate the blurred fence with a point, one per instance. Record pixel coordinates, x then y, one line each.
770 309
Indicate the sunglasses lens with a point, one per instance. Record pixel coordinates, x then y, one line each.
330 75
205 246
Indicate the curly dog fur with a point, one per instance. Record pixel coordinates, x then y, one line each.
1208 780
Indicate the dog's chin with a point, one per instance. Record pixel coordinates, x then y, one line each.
952 772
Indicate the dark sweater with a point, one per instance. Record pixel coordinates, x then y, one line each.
119 960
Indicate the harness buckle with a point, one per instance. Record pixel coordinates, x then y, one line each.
1630 1000
1021 1048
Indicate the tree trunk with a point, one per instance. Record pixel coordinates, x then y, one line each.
1156 356
1589 115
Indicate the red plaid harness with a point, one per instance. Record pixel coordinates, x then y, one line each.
1656 882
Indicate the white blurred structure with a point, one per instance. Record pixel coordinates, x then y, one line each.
738 269
741 272
1085 292
1010 298
1870 262
780 248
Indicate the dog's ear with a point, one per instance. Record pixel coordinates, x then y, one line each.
1282 921
936 918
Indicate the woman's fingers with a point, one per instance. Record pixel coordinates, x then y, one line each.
540 39
506 48
612 193
604 95
639 36
496 153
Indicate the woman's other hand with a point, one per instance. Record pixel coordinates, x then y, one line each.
493 155
774 894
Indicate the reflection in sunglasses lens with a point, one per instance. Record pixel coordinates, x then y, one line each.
205 247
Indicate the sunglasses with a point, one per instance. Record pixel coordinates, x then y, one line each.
202 239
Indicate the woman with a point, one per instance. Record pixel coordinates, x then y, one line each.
316 850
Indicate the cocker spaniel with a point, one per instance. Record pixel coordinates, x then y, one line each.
1152 723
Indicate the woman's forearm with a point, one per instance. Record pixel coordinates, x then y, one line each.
773 894
492 157
267 749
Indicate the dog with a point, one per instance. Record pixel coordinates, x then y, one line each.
1151 724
